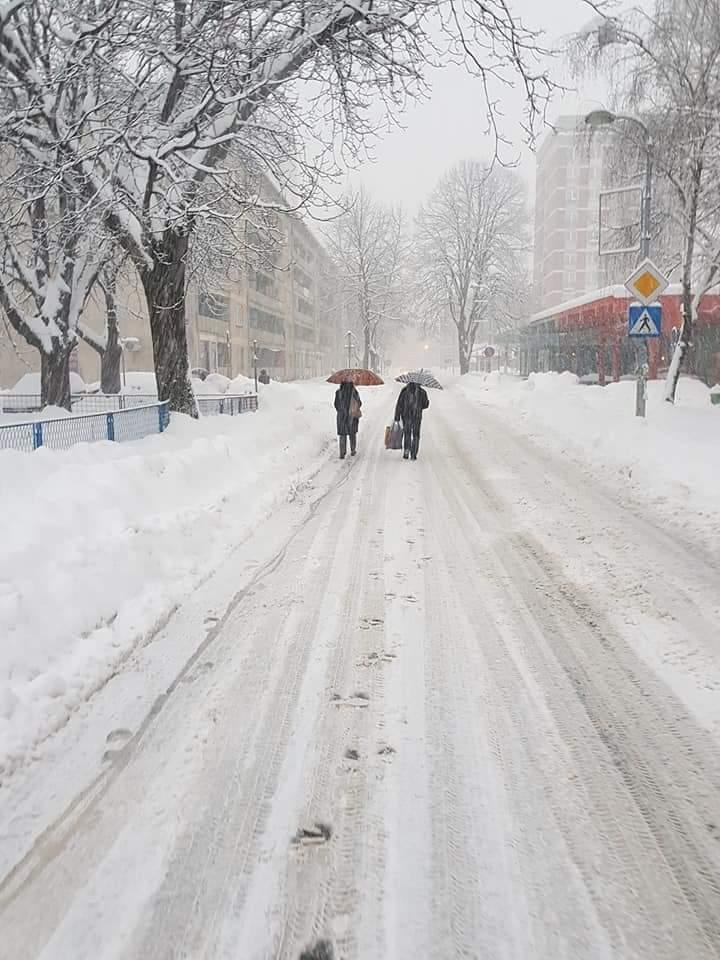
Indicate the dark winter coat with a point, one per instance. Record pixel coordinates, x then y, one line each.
346 425
412 401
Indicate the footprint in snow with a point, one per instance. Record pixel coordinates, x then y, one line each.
316 835
322 950
121 735
374 659
200 670
116 742
358 700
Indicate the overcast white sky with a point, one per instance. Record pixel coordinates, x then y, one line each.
450 125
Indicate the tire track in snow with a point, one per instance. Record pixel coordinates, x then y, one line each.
84 839
663 759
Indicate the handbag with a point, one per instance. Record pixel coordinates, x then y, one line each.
355 411
396 436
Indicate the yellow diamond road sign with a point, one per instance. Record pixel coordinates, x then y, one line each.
646 283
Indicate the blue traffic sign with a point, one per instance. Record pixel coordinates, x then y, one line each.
644 321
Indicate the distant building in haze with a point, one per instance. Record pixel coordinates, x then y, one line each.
569 174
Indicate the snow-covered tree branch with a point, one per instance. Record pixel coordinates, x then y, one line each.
177 97
664 67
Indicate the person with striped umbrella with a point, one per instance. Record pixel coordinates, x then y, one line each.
411 403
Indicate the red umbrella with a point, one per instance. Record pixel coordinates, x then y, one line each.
361 378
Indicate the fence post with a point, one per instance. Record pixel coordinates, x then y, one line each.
110 426
37 435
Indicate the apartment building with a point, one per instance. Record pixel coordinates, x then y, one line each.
569 175
287 309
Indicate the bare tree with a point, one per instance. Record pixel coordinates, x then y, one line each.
53 249
367 245
665 67
471 244
180 94
107 344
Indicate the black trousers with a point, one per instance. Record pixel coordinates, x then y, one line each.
411 436
343 443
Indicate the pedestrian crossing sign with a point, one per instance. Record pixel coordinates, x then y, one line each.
645 321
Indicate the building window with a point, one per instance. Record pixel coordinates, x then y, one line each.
305 333
215 306
304 306
262 320
264 284
223 355
208 355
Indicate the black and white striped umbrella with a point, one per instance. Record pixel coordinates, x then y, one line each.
423 377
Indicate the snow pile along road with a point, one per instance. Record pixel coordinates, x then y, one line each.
100 543
669 461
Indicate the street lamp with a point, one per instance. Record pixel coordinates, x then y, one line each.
128 345
604 118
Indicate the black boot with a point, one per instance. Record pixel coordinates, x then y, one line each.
343 447
353 446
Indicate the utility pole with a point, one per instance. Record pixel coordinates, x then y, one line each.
602 118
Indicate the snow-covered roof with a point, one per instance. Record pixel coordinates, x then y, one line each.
618 292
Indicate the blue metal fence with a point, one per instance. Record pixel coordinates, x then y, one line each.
228 405
64 432
106 403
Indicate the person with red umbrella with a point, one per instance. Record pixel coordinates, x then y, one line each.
348 404
349 410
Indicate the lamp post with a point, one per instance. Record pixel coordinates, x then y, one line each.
255 363
349 347
129 345
605 118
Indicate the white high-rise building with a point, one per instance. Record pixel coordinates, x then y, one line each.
569 175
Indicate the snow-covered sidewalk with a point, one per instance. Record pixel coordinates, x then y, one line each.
669 461
101 542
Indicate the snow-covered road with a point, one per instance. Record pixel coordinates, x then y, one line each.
469 708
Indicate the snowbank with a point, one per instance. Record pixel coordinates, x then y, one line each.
139 381
241 385
101 541
47 413
29 384
671 459
217 382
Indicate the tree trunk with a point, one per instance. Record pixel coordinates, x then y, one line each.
110 381
111 356
164 286
683 345
463 352
55 376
